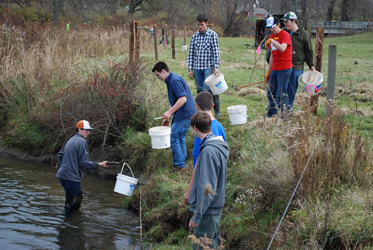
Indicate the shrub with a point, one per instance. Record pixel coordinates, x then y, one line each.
32 14
108 98
25 135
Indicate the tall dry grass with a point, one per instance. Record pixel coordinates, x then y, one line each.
44 68
45 53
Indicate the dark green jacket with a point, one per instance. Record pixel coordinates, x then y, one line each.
302 48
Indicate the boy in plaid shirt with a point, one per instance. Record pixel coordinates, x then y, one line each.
204 57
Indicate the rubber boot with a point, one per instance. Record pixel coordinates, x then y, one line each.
72 203
215 98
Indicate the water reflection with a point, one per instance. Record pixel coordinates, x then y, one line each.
31 205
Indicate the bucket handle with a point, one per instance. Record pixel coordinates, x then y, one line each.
242 113
157 118
300 77
128 167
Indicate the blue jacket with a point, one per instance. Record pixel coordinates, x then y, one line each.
176 88
211 169
73 159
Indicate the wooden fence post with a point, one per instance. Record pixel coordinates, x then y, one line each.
155 44
134 52
173 43
332 65
165 36
319 48
184 35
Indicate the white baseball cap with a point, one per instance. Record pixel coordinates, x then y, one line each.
272 21
83 124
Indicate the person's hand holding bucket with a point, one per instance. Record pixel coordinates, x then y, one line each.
167 115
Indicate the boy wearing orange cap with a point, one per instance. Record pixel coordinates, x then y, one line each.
73 160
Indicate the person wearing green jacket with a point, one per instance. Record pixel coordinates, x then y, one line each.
302 52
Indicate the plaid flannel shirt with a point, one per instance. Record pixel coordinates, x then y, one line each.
204 51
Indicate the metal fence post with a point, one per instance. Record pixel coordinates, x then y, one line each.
332 65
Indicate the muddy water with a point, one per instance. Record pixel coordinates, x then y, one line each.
31 204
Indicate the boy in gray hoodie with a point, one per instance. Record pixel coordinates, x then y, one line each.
207 196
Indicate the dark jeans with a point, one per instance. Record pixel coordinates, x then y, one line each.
277 91
74 196
293 85
200 77
71 187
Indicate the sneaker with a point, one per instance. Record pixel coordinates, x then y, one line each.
217 114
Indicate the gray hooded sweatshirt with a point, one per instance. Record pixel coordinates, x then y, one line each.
74 159
211 169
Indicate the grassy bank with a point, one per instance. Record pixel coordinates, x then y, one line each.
332 208
51 78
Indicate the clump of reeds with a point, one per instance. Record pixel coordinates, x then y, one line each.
331 156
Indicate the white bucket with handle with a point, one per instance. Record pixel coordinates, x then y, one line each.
237 114
125 184
160 136
311 81
216 83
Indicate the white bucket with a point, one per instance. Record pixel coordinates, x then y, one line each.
311 81
237 114
216 83
125 184
184 47
160 137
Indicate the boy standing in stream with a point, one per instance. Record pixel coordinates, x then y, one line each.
73 160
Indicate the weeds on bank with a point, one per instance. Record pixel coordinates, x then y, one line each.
341 160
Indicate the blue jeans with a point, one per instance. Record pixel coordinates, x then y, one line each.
277 91
293 85
179 130
200 77
71 187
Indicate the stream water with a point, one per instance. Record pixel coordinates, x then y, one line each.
31 204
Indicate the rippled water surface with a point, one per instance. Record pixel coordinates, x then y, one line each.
31 204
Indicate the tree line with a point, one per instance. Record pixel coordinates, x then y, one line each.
234 17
